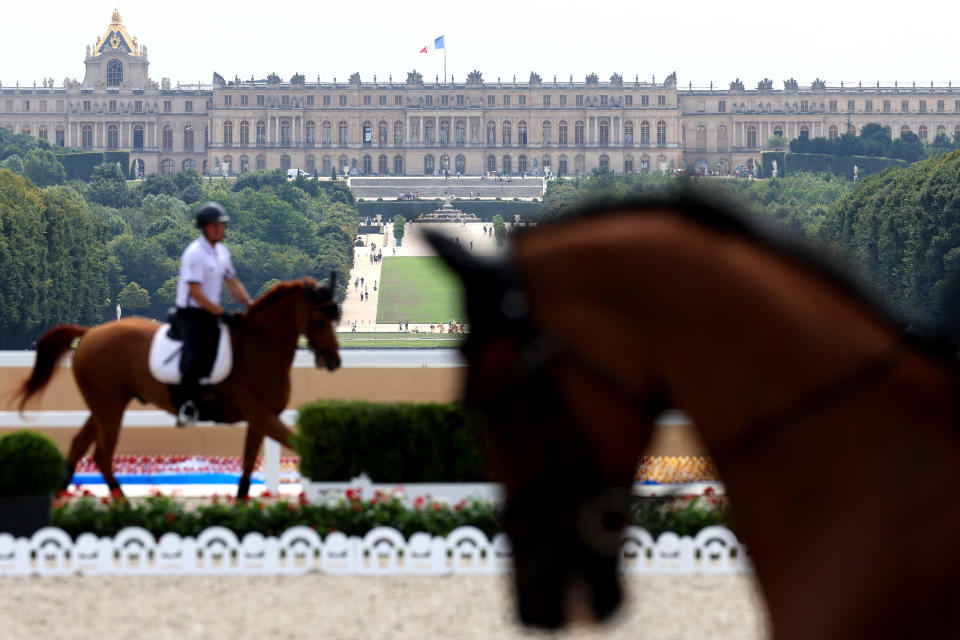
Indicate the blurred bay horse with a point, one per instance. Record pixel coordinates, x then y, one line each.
110 367
836 434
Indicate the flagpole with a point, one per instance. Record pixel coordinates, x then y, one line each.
444 63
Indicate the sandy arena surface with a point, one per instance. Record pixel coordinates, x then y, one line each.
340 607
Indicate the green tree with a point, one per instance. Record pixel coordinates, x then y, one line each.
42 167
499 229
12 163
134 296
107 186
776 141
399 222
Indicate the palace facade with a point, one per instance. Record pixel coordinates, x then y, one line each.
412 127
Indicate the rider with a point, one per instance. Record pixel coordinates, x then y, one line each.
204 266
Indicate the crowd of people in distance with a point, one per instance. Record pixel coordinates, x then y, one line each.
360 285
409 195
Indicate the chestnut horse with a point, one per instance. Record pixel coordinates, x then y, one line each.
110 367
836 435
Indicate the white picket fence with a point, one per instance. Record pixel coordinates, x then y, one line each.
382 551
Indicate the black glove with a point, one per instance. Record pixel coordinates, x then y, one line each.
232 319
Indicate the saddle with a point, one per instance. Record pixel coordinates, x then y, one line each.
166 347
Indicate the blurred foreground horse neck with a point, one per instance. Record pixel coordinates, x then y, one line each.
836 435
110 367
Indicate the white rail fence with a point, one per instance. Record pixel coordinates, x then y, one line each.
382 551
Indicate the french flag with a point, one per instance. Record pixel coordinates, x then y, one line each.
437 44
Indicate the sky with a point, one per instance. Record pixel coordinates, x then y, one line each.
702 41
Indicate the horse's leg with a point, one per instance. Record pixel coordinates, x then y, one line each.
78 446
108 419
251 447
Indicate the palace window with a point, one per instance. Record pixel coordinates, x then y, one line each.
59 136
228 132
886 106
722 138
562 133
367 165
868 106
113 137
261 132
42 132
522 165
367 132
778 130
603 101
188 106
244 133
491 101
628 101
904 129
578 132
311 132
227 101
580 101
562 165
167 139
661 134
522 133
326 133
923 106
751 137
604 161
604 133
832 132
832 106
804 132
428 166
398 101
445 132
491 164
261 162
382 133
112 106
260 102
701 138
285 132
661 101
628 164
382 166
428 132
904 106
397 134
245 100
546 101
138 136
506 136
114 73
941 106
461 133
507 164
444 100
244 164
506 101
579 163
460 100
86 105
366 103
547 132
342 133
326 101
851 106
922 133
189 165
645 102
563 101
398 165
628 133
167 166
461 163
522 101
491 133
429 101
644 132
188 136
804 105
444 163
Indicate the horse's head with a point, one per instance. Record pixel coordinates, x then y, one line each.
322 313
564 511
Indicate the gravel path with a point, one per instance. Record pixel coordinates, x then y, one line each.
339 607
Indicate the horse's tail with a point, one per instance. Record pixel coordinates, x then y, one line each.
50 348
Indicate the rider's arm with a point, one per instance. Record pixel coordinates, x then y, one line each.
196 292
238 291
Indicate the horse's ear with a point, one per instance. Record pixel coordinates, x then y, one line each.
333 281
462 263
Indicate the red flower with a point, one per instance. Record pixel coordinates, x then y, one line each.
246 499
418 502
171 517
460 505
291 507
104 501
353 494
266 494
116 493
87 493
708 491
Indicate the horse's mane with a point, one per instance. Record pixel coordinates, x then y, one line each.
727 218
280 291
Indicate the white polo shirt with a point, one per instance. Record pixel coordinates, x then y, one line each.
207 265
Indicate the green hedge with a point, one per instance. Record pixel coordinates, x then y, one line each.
766 161
79 166
837 165
397 442
483 209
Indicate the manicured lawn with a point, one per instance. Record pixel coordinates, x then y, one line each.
419 290
366 340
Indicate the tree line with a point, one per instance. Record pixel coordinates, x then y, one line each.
876 140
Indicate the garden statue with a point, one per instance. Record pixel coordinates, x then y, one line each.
775 173
856 173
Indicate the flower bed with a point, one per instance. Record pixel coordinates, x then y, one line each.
159 514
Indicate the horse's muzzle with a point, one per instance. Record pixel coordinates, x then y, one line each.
332 363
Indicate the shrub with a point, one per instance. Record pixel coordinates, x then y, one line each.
30 465
399 442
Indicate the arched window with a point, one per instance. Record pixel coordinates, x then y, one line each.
701 138
343 163
628 164
722 138
114 73
522 133
579 163
86 136
445 132
285 133
506 133
922 133
562 165
428 132
113 137
167 138
326 164
460 135
461 163
367 165
444 163
261 132
545 162
382 136
244 164
751 137
491 135
261 162
311 165
833 133
398 165
522 165
645 132
491 164
628 133
661 133
42 132
138 136
382 166
778 130
547 132
326 133
804 132
904 129
507 165
604 161
342 133
311 132
166 166
578 132
228 132
941 129
562 133
367 133
227 165
188 137
645 164
284 162
852 130
428 167
397 135
604 133
60 137
188 165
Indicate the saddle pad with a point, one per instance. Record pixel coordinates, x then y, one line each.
164 358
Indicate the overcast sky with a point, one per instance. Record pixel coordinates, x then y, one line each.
702 41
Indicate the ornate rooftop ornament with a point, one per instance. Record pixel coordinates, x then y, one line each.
218 80
736 85
818 84
355 79
765 85
273 78
414 78
116 38
592 78
474 78
791 85
298 79
535 79
616 80
671 80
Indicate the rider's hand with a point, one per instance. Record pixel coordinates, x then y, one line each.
231 319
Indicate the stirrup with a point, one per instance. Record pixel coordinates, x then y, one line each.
188 414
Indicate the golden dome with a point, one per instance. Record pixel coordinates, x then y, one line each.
116 38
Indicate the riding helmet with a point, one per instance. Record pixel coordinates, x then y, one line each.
211 212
